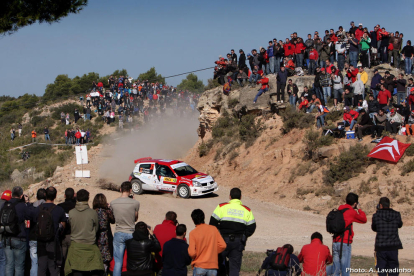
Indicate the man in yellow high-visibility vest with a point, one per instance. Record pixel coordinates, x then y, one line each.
236 223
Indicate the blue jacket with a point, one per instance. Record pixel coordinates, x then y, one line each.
175 258
282 77
375 80
270 52
294 266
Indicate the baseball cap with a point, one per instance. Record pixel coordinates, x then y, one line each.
360 24
387 72
376 70
249 55
392 110
322 69
352 22
241 50
403 101
232 50
6 195
346 108
412 89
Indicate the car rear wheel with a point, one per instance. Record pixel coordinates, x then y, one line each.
183 191
137 187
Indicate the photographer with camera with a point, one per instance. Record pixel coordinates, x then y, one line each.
281 262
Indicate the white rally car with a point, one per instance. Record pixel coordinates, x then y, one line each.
170 176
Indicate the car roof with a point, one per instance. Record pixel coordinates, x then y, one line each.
159 161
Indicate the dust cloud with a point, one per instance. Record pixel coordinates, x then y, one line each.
169 138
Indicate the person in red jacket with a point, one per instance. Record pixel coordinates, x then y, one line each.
313 57
351 215
165 232
299 52
359 32
289 48
411 99
352 73
384 97
315 256
265 87
350 117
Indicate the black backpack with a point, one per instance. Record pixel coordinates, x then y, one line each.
45 229
9 222
335 224
280 259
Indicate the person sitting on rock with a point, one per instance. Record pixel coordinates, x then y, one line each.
364 122
394 121
312 103
320 117
350 117
303 104
254 76
290 66
241 77
409 127
265 87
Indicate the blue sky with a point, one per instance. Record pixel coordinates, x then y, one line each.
174 36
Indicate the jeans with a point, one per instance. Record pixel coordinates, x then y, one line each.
319 93
340 265
197 271
2 259
271 65
312 67
372 116
253 78
299 60
261 91
353 58
280 91
351 125
408 64
277 65
322 63
47 137
292 100
33 257
320 121
88 116
375 93
310 109
401 96
326 93
15 257
119 249
341 62
241 82
332 59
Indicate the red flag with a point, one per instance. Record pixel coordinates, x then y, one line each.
389 150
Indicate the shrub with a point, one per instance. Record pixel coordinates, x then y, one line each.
233 102
233 156
314 140
408 167
410 150
211 83
334 116
204 148
249 128
293 119
66 108
303 191
349 163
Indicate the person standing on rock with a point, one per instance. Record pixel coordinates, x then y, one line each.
385 222
281 78
236 223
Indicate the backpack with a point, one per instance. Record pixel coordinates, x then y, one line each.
280 259
335 224
9 224
226 88
45 229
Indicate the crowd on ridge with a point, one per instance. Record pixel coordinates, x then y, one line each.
71 238
338 61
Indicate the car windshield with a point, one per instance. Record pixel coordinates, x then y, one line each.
185 170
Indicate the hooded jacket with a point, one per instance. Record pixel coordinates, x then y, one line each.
84 223
358 86
242 61
376 79
386 223
139 251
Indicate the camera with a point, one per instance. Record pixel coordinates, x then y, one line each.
269 252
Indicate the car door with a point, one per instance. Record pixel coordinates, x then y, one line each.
166 178
146 175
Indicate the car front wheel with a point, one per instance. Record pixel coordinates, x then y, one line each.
183 191
137 187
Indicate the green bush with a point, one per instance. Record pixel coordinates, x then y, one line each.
410 150
408 167
349 164
334 116
66 108
293 119
314 140
233 102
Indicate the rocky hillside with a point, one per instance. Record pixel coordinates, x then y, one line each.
276 167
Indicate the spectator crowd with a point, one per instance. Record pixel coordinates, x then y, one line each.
71 238
338 62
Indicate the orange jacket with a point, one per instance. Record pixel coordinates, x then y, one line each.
34 134
290 65
205 245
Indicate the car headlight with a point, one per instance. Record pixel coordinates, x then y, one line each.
196 183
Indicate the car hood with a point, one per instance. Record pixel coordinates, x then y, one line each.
200 177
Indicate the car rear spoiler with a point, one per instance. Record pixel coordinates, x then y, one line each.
143 159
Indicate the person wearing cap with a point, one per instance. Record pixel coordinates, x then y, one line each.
250 58
394 121
350 117
359 32
408 54
375 83
358 89
340 48
364 123
254 76
353 50
353 28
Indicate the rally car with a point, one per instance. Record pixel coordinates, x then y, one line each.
170 176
